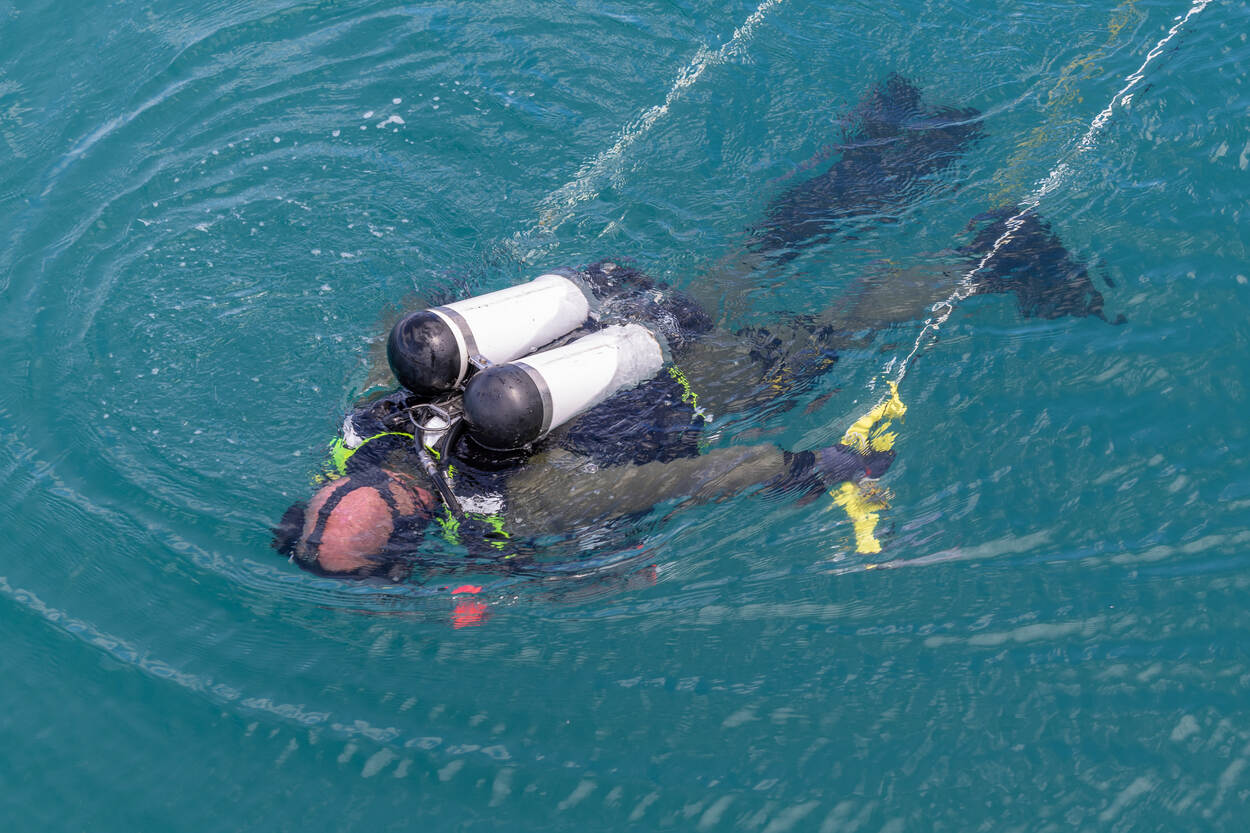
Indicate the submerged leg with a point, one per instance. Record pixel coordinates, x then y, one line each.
750 367
893 145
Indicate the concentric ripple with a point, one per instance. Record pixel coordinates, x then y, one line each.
208 212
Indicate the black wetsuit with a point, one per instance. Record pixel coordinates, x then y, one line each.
656 422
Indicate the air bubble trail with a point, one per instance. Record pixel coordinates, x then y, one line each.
942 310
559 206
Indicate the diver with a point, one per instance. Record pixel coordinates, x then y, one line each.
560 408
565 440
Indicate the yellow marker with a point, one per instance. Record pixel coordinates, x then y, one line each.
869 433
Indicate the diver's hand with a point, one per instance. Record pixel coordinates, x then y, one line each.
822 469
839 464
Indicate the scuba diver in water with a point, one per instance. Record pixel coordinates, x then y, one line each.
557 408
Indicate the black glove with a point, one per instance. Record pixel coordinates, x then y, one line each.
840 463
810 472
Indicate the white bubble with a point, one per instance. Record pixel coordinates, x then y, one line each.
336 133
277 139
397 101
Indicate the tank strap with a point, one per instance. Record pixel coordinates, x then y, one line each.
496 537
335 466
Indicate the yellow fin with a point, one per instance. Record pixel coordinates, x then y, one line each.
870 432
861 507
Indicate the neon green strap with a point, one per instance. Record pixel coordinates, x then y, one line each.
336 466
687 393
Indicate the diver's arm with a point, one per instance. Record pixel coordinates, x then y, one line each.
559 491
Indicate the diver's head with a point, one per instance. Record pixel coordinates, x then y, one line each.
357 525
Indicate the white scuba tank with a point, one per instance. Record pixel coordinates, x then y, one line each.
430 351
510 405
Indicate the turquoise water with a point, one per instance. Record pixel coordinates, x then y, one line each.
206 209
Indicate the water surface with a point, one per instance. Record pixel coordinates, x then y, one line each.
207 209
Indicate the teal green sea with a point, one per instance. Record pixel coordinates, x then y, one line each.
209 212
